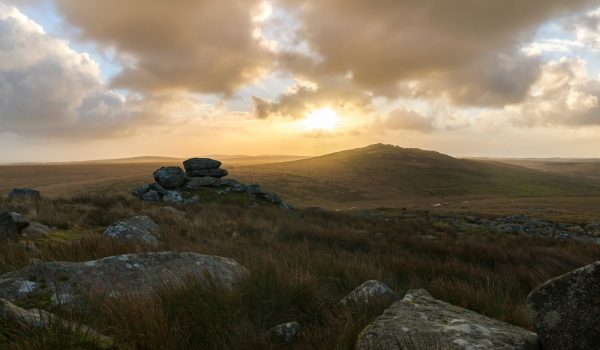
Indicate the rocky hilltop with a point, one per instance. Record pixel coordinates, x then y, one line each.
202 180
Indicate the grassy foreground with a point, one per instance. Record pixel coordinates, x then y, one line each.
301 262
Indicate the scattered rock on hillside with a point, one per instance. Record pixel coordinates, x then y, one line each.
522 224
131 274
138 229
593 229
8 227
370 291
566 310
36 229
421 322
170 177
20 220
24 193
285 333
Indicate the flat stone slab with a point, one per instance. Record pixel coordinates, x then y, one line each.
566 310
132 274
201 164
218 173
419 321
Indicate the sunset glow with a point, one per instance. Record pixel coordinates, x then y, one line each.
321 119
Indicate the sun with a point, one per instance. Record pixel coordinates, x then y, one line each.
321 119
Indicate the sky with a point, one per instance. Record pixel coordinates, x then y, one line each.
101 79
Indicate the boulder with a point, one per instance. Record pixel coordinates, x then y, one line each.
41 319
229 182
593 229
173 197
419 321
130 274
24 193
255 189
239 187
30 318
8 227
566 310
158 188
36 229
151 196
141 191
170 177
201 164
285 333
138 229
207 172
198 182
370 291
193 200
20 220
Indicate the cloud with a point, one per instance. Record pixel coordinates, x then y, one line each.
305 97
45 87
552 45
466 51
49 90
195 45
564 95
587 29
403 119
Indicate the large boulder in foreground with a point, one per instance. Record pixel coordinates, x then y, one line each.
170 177
421 322
201 164
566 310
138 229
130 274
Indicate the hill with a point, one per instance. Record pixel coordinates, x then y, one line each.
589 168
384 172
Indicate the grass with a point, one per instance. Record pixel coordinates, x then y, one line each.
301 263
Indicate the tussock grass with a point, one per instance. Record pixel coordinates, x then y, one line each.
301 263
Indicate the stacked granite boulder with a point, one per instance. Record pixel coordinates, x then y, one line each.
204 167
201 177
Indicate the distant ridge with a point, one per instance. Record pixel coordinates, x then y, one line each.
233 159
383 171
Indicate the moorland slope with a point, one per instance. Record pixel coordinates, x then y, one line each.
380 171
